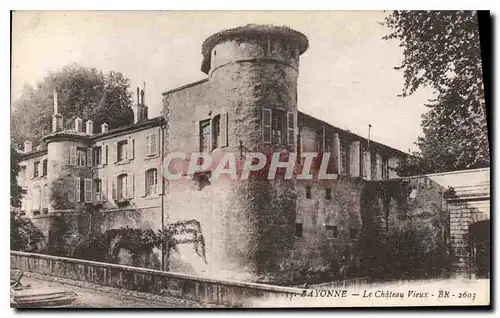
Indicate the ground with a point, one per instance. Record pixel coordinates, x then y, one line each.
106 297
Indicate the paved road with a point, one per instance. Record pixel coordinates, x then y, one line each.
90 298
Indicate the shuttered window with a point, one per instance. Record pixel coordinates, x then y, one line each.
72 155
152 144
98 190
121 186
151 182
122 151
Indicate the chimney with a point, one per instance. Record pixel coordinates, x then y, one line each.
104 128
78 124
89 127
57 119
28 146
140 110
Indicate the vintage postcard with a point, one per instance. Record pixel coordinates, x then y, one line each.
182 159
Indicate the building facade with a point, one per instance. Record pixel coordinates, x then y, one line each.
247 103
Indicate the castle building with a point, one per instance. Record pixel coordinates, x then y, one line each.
247 103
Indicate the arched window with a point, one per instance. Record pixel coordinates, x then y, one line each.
151 182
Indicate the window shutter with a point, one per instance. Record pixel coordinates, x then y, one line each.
114 152
104 189
88 190
148 145
223 130
77 189
142 183
47 197
157 142
266 125
130 185
89 157
104 155
113 188
198 137
130 148
291 129
72 155
336 153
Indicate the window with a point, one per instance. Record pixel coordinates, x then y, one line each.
98 187
279 127
385 168
81 155
121 192
45 197
37 199
44 167
344 157
151 182
24 198
298 230
328 193
320 139
97 155
36 169
353 233
332 231
373 164
122 149
205 136
22 174
215 131
151 144
308 192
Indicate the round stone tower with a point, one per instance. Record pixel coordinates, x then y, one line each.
253 68
253 74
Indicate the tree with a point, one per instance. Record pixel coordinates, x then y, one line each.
441 50
16 192
24 235
84 92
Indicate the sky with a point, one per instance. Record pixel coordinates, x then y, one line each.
346 77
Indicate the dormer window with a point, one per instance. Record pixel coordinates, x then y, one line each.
78 124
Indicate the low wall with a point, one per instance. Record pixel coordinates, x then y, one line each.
203 290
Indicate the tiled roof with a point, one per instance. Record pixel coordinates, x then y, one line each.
249 31
81 135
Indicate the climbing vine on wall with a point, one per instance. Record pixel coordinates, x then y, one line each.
415 248
106 246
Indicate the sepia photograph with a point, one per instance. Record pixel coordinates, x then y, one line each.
249 159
